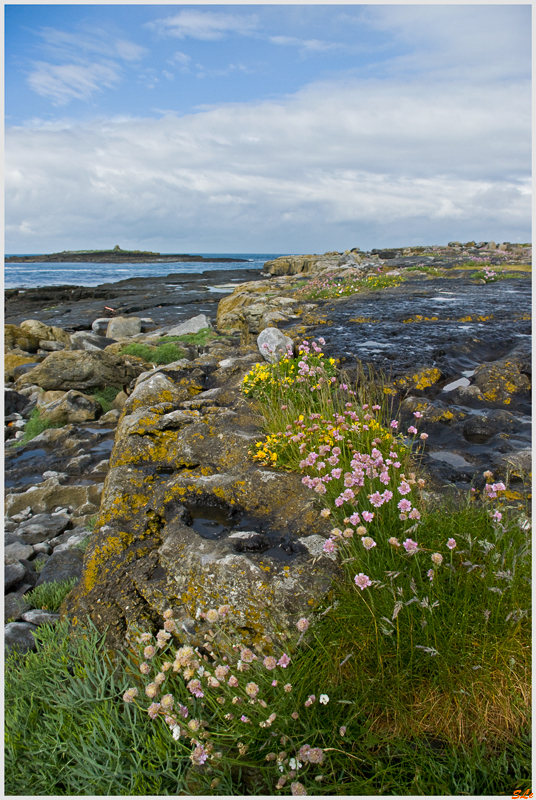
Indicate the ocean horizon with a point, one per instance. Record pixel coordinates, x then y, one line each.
35 274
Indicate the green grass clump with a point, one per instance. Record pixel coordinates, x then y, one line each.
165 353
35 426
50 596
423 268
201 338
105 396
69 733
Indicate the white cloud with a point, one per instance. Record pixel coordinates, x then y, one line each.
366 163
205 25
308 45
64 82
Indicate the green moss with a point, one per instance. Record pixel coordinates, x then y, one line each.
201 338
105 396
163 354
36 425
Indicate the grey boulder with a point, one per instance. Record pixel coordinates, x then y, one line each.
42 527
62 566
193 325
19 636
273 344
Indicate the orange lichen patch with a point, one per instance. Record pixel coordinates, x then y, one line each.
420 318
420 380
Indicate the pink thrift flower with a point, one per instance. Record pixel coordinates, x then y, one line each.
354 519
424 436
149 651
284 661
310 700
233 681
247 655
342 730
195 687
497 516
404 488
410 546
153 710
417 414
362 581
412 429
404 506
302 624
368 516
287 687
414 514
387 495
376 499
368 543
252 689
329 546
394 542
437 558
451 544
430 574
270 662
394 424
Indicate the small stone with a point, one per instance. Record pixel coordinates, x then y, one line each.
123 327
79 462
42 527
42 547
193 325
14 572
22 515
15 604
18 550
19 636
38 617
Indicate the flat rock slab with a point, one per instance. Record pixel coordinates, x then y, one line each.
42 527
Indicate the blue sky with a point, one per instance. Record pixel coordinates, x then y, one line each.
266 128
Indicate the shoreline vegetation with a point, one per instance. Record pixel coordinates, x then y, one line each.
412 678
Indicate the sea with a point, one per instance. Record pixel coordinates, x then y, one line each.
35 274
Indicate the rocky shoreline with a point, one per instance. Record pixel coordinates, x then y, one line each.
182 512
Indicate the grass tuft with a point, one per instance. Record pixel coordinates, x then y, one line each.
50 596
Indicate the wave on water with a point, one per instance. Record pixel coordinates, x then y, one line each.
33 274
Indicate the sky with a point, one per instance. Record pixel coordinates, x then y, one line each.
266 128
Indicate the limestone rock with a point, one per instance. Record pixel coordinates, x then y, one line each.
71 407
15 604
14 572
61 566
82 370
18 551
19 636
499 381
86 340
14 402
290 265
14 360
42 527
123 327
38 616
273 344
49 346
193 325
51 493
45 332
17 337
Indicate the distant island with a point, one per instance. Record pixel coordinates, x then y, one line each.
116 256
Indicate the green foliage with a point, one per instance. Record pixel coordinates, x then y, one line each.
35 426
165 353
423 268
105 396
82 545
50 596
201 338
67 730
91 522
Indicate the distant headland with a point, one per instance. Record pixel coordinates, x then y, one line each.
116 256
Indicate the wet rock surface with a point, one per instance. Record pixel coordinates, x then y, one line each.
168 300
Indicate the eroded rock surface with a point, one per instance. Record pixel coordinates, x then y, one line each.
187 520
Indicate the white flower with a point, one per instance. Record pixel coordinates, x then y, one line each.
324 699
176 732
294 763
